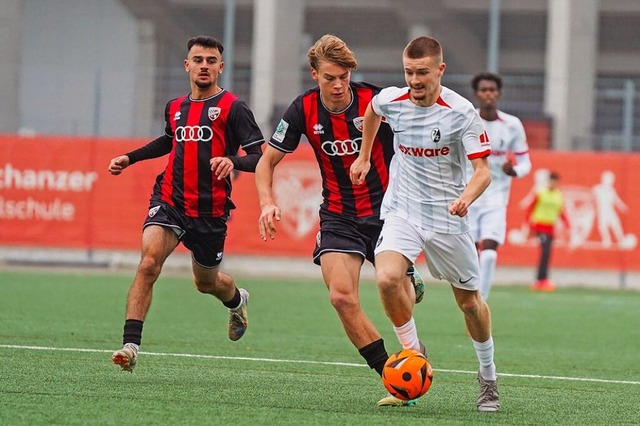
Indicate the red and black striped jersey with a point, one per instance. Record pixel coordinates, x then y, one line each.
200 130
336 138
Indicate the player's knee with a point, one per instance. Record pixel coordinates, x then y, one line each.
471 305
489 245
343 302
388 281
150 267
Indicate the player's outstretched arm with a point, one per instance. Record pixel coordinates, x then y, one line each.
270 212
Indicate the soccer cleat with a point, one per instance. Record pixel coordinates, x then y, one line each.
543 285
489 399
126 358
392 401
238 318
418 285
423 349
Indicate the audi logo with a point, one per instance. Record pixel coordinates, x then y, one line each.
342 148
193 134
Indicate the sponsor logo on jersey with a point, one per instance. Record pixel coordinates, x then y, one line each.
435 135
219 255
359 123
213 113
318 129
281 130
176 116
153 211
193 134
415 151
341 148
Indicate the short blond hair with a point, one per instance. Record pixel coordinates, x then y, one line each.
331 49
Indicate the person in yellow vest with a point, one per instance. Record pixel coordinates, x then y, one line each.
543 214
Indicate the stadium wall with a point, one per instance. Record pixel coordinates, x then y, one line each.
55 192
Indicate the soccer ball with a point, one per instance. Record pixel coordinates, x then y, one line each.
407 374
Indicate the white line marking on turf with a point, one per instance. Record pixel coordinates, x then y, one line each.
299 361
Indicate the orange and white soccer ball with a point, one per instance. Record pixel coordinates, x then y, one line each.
407 374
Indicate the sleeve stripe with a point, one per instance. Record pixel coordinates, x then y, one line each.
279 148
480 154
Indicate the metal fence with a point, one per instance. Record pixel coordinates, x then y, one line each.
616 125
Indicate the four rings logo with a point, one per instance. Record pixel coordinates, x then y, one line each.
193 134
342 148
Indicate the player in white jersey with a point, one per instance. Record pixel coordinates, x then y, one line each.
425 206
488 214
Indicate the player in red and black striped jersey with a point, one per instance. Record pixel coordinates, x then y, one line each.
330 116
191 199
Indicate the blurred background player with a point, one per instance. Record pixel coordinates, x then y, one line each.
436 132
542 215
330 117
488 214
191 198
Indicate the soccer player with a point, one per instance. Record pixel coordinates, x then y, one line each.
542 215
488 214
330 116
436 131
191 198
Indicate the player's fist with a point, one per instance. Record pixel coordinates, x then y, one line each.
358 170
507 167
459 208
118 164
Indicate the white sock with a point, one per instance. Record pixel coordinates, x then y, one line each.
484 351
488 260
132 346
408 335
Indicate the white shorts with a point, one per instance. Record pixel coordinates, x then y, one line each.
488 222
450 257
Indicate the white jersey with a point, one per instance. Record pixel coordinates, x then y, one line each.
507 137
431 144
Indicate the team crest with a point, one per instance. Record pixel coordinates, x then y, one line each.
358 122
214 112
435 135
153 211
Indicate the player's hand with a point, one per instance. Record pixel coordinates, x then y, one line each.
508 169
221 167
267 221
358 171
118 164
459 208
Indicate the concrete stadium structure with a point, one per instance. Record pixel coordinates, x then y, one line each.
106 67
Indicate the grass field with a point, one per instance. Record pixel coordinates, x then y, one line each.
571 357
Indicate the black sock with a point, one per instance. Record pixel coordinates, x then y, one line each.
234 302
375 354
132 332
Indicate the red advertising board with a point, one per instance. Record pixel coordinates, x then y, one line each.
56 192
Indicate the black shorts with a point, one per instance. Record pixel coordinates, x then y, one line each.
347 235
203 236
